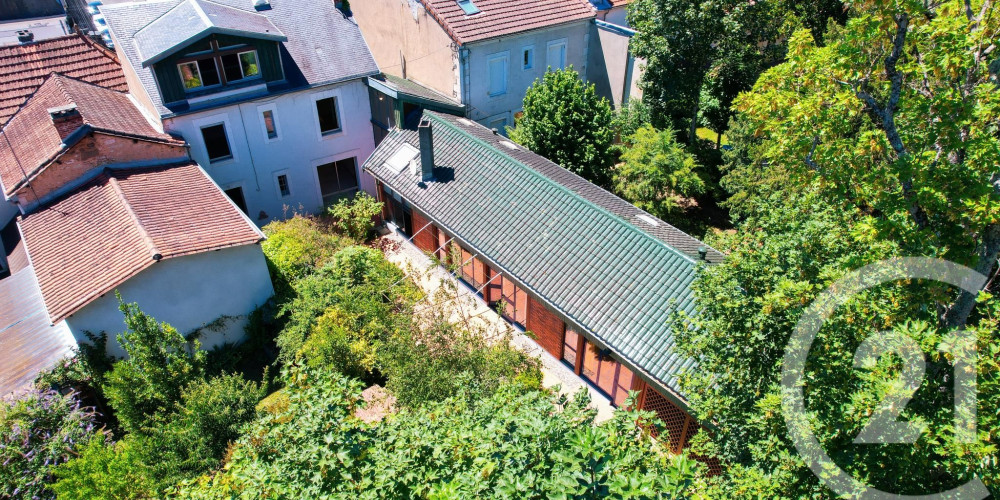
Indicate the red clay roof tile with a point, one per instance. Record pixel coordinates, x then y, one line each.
24 67
30 140
505 17
106 232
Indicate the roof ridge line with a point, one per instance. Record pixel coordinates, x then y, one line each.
154 253
559 186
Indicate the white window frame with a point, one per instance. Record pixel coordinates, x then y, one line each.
565 53
319 96
277 185
531 49
208 121
180 74
260 71
505 57
273 108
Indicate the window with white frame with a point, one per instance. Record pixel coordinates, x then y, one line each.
556 54
328 115
497 65
528 57
282 185
269 122
216 142
220 68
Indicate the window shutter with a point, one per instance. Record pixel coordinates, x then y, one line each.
498 76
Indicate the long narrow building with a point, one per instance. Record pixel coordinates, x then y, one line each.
599 282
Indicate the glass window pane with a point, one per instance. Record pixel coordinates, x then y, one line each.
347 174
231 67
283 185
327 112
216 143
590 362
269 125
569 346
209 75
248 62
190 75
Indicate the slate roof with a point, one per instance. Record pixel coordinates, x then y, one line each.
505 17
192 20
23 68
563 240
32 141
413 88
94 239
322 47
29 343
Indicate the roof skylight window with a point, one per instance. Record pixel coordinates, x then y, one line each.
402 157
468 7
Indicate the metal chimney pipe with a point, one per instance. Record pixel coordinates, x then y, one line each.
426 150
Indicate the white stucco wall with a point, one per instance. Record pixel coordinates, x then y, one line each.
187 292
299 148
485 108
617 15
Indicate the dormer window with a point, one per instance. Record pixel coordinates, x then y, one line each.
468 7
221 67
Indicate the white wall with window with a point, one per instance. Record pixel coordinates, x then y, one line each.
277 142
501 70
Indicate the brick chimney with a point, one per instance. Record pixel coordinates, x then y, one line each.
66 119
426 150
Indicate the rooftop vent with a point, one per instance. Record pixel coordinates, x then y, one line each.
401 158
25 36
508 145
703 253
648 220
426 150
262 4
465 121
468 7
66 119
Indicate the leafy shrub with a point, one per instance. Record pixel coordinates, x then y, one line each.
39 431
333 342
104 471
358 281
510 445
435 359
160 364
216 409
297 246
356 217
657 170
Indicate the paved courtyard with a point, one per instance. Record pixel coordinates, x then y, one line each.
469 307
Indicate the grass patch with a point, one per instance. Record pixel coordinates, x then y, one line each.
708 135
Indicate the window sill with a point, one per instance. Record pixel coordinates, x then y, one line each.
223 159
331 133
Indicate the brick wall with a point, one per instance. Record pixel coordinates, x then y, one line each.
547 327
425 240
95 151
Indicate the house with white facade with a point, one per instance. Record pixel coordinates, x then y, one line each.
270 95
481 54
106 203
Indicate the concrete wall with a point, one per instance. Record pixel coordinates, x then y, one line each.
487 109
613 71
94 151
403 30
296 152
187 292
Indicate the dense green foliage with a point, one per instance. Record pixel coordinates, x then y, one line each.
881 142
656 171
355 217
160 363
567 122
508 445
38 432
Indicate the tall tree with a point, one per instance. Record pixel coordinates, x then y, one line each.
567 122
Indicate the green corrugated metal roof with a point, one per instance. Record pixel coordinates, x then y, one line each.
617 282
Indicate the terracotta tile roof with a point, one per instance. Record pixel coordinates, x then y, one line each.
505 17
94 239
23 68
29 343
30 140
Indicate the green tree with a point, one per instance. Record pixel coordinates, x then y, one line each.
159 365
509 445
567 122
656 171
883 142
356 217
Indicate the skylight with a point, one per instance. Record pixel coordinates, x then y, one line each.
508 145
469 7
465 121
402 157
648 220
